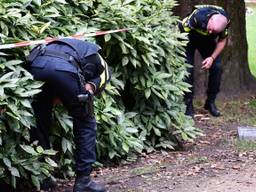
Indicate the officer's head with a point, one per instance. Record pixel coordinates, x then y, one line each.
217 23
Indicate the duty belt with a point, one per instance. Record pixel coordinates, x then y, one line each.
64 56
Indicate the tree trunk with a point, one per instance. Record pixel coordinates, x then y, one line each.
236 77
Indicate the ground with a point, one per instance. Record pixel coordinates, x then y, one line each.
215 162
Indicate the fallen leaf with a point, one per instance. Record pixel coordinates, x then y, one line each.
199 115
236 167
205 142
218 167
205 118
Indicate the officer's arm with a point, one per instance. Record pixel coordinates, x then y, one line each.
219 47
94 84
99 82
207 62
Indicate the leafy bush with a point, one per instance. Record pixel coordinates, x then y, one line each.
142 107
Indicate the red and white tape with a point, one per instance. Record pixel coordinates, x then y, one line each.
49 39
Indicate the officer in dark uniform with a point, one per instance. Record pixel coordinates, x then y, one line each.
73 71
207 32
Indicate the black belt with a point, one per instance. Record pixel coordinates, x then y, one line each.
64 56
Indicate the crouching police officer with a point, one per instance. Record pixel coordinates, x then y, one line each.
73 71
207 32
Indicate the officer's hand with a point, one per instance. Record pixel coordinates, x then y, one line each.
207 63
89 87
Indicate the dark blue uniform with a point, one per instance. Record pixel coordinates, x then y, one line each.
195 24
62 79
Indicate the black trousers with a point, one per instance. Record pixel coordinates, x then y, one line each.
205 45
66 86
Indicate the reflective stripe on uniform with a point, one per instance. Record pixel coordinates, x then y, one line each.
208 6
104 77
188 28
185 21
185 25
205 33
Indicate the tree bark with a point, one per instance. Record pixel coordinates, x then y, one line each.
236 77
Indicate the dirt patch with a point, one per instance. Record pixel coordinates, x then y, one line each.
215 162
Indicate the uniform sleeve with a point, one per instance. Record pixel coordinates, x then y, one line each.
95 82
100 81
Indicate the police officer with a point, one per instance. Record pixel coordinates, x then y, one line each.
73 71
207 32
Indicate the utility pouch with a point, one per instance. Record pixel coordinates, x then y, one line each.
34 53
87 101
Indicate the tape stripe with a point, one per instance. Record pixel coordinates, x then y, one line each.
47 40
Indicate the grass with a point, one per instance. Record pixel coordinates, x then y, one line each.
251 37
242 112
245 145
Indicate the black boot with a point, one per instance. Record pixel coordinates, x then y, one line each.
84 183
211 107
189 107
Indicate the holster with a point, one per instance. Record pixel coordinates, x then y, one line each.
86 100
